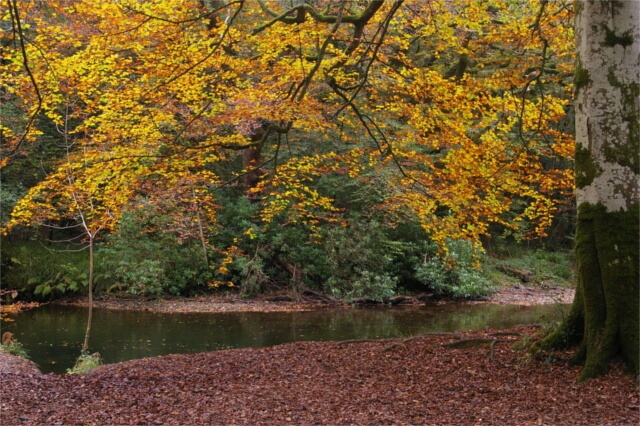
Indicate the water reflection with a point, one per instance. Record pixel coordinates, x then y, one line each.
52 335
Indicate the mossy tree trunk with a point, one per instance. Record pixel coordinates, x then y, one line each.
604 317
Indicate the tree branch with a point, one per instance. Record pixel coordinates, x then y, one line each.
17 30
323 17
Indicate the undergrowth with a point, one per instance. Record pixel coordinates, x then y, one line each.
548 267
43 271
365 260
86 363
14 347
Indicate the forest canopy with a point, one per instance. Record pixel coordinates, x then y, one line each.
261 133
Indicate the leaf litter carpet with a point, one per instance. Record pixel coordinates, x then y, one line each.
464 379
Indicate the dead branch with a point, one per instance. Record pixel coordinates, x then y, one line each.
522 274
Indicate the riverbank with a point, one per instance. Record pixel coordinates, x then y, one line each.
515 295
482 377
468 377
15 364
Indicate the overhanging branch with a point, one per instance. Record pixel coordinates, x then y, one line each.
359 20
17 31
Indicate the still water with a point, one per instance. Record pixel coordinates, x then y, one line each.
52 335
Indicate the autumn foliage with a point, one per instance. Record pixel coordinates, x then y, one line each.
454 111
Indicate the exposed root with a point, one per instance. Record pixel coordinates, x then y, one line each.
346 342
474 343
402 342
409 339
399 343
506 333
477 343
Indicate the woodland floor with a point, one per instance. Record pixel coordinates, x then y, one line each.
482 377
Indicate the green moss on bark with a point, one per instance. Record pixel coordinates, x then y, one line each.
611 38
580 77
617 237
570 332
586 169
605 315
625 152
631 94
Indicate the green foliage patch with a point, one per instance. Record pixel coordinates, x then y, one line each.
358 262
43 271
86 363
151 263
458 276
14 347
548 267
10 194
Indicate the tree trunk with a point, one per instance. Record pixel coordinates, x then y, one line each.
250 162
203 240
605 314
85 345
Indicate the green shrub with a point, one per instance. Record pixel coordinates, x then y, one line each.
43 272
457 278
69 279
367 259
358 263
86 363
14 348
138 276
365 285
251 272
144 262
432 273
268 252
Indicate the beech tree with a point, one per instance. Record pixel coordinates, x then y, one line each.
604 317
448 109
453 105
456 104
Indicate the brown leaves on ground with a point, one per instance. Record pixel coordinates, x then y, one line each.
418 381
16 364
533 295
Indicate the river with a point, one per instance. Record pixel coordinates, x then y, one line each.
52 335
